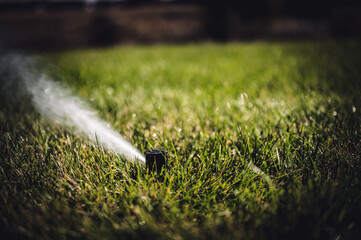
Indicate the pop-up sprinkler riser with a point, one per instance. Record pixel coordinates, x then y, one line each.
155 159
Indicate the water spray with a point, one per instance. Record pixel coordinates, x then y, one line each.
58 104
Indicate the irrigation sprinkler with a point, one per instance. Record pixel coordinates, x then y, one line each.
155 159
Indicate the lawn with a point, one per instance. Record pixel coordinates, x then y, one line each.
264 142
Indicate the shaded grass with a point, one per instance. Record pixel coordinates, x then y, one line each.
264 142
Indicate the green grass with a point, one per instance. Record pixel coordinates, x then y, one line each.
263 141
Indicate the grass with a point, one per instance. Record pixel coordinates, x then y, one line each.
263 141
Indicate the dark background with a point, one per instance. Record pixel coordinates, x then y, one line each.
66 24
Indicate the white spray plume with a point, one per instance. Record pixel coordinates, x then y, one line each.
58 104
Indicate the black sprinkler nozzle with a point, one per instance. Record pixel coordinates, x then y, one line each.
155 159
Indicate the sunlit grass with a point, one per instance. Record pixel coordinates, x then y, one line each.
263 142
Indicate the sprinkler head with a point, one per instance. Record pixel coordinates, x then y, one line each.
155 159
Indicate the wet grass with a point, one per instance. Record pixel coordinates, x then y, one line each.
263 141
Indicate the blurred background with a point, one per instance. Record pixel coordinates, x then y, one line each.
69 24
